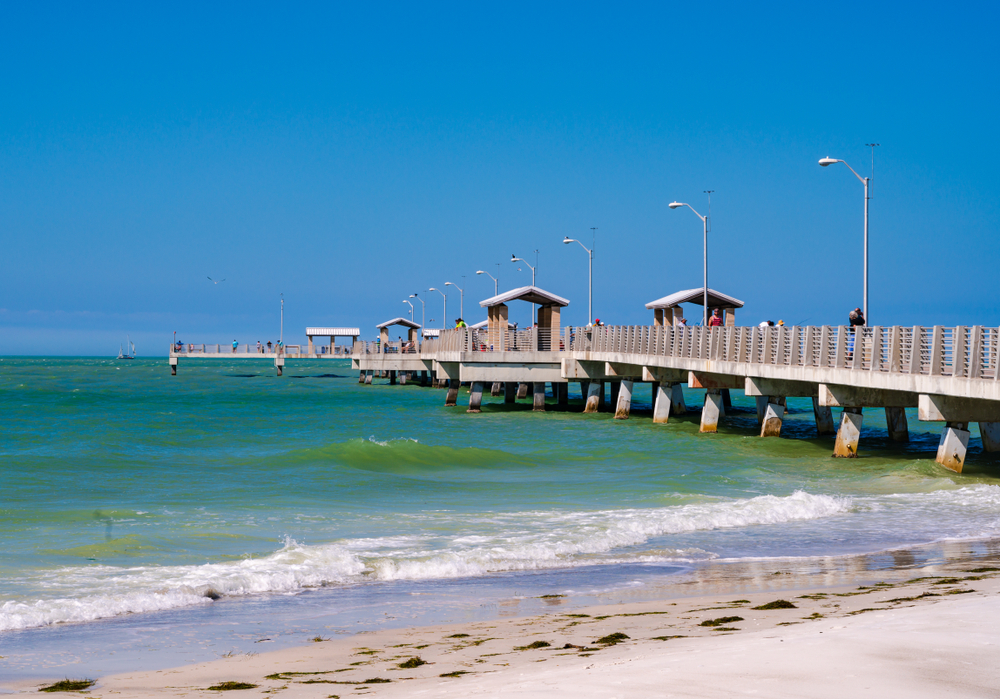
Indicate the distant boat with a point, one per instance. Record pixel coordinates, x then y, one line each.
126 355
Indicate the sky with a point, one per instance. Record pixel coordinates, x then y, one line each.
343 156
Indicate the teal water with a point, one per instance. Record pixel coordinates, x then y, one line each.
126 491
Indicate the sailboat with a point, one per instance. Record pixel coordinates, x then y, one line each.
126 355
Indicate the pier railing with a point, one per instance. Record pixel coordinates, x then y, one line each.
202 349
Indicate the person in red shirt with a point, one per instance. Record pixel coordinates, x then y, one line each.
716 320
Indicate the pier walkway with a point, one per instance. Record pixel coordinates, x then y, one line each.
949 375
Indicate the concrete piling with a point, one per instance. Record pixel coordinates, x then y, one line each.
392 377
824 418
624 404
727 400
368 377
677 406
562 394
773 415
522 391
594 391
451 399
173 366
495 389
661 403
475 397
762 402
509 391
895 421
848 434
712 411
538 396
990 432
953 445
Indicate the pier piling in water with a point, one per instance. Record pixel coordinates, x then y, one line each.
475 397
661 403
451 399
774 413
712 411
623 405
509 392
848 434
538 396
895 422
953 445
522 391
594 391
990 432
824 418
677 405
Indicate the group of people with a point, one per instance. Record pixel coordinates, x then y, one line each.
279 345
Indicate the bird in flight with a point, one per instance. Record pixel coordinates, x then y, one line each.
215 282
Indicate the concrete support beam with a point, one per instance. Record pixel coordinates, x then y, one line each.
761 408
632 371
824 418
848 434
538 395
727 400
451 399
834 396
990 432
495 388
562 394
953 445
780 387
677 405
392 377
954 409
404 376
279 364
522 391
704 379
661 403
624 403
712 412
661 375
616 387
173 366
895 422
509 391
368 377
773 416
594 391
475 397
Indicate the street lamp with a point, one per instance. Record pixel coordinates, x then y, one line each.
411 309
519 259
423 311
461 310
824 162
445 322
590 303
496 284
704 221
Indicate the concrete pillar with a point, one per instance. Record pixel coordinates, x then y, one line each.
824 418
895 421
522 391
368 376
953 445
616 387
423 378
594 391
451 399
990 432
279 364
310 343
495 389
538 393
403 377
475 396
624 403
392 377
677 406
562 393
661 403
773 415
712 411
762 402
727 401
509 391
173 366
848 434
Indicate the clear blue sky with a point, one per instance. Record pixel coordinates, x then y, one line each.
351 154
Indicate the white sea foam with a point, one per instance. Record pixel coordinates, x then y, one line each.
436 545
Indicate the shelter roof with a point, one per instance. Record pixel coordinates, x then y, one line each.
482 324
715 298
334 332
531 294
405 322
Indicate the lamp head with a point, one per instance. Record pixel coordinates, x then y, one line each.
567 240
828 161
448 284
479 272
433 289
513 257
675 205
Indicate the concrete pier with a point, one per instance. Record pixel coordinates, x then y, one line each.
677 405
762 402
895 422
712 411
661 403
451 399
594 391
538 396
990 432
562 394
475 397
824 418
848 434
509 392
953 445
774 413
368 377
495 389
522 390
624 404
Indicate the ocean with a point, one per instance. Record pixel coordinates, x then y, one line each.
148 519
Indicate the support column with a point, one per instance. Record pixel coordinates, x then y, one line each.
451 399
495 389
368 376
895 421
594 391
562 394
475 397
773 415
423 378
616 387
953 445
173 366
404 376
727 401
848 434
712 411
279 364
661 403
677 405
522 391
392 377
538 391
624 404
509 391
762 402
990 432
824 418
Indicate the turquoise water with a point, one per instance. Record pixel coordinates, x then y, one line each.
127 491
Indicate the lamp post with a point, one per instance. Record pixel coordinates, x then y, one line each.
445 296
496 284
461 310
704 221
590 302
520 259
423 311
866 181
411 309
281 330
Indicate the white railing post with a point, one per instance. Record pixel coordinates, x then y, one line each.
937 351
976 353
958 347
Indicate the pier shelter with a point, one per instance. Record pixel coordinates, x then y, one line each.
549 306
411 327
667 311
333 334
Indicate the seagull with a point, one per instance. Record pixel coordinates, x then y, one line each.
215 282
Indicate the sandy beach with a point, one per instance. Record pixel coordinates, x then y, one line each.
915 633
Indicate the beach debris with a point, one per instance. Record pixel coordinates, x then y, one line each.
69 685
415 661
534 645
612 638
777 604
458 635
721 621
230 685
318 639
456 673
666 638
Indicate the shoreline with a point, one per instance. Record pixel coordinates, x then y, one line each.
911 596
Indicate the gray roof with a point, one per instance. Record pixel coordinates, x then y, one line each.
531 294
334 332
405 322
715 298
483 323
